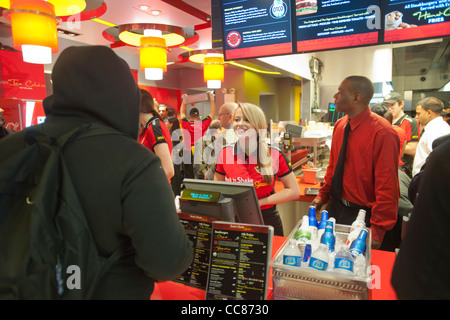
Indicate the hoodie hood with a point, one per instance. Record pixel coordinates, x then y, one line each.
93 83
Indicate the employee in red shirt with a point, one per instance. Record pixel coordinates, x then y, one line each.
154 134
193 129
251 160
370 176
411 126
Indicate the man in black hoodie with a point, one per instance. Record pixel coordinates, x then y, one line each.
120 183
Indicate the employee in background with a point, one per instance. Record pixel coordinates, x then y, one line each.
251 160
393 237
428 113
194 128
383 110
173 124
396 104
366 176
154 134
3 130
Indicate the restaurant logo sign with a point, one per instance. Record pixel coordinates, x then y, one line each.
278 9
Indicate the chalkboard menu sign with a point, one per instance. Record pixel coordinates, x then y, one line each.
256 28
333 24
240 261
414 20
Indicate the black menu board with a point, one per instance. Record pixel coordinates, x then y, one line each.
414 20
333 24
256 28
240 260
199 230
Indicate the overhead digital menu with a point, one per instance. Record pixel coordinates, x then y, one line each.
333 24
199 230
413 20
239 264
256 28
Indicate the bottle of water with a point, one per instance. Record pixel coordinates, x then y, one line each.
354 233
322 224
360 219
304 233
344 261
328 238
292 255
319 258
358 246
313 225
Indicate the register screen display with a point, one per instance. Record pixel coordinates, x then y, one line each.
333 24
256 28
413 20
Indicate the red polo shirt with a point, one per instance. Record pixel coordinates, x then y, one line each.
236 166
371 168
154 132
196 129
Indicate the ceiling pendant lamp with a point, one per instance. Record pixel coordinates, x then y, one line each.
33 26
213 70
153 54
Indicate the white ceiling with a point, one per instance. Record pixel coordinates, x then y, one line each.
127 11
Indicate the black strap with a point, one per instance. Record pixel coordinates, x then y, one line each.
336 182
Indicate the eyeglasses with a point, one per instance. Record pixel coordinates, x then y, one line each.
222 114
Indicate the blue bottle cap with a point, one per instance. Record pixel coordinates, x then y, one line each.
307 253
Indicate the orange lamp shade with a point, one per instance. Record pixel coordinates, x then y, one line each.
153 53
33 22
213 71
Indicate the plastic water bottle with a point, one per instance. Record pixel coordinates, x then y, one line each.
344 261
292 255
304 233
328 238
319 258
313 225
358 246
354 233
322 224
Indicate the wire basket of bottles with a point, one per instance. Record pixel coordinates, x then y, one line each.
324 260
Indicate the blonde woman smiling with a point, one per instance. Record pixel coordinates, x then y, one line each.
251 160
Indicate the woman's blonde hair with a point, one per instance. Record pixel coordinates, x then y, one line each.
257 119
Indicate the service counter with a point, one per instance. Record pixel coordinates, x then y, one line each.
382 264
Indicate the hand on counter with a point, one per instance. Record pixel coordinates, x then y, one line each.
317 203
376 244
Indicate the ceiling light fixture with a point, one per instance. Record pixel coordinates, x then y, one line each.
213 70
212 62
34 32
34 24
153 54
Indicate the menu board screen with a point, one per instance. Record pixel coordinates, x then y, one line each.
333 24
413 20
239 266
256 28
